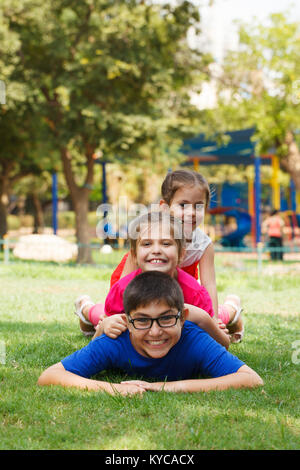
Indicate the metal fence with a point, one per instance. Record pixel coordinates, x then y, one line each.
104 256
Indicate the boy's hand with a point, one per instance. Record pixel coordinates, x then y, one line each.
127 389
114 325
176 386
144 385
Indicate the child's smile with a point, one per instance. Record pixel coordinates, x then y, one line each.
155 342
157 250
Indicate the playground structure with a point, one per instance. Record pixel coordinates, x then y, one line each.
234 238
241 151
241 204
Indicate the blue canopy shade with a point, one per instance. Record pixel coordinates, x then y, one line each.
239 150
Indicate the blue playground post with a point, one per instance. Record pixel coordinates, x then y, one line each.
101 162
257 193
293 196
54 202
104 186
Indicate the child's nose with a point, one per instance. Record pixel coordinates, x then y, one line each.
189 210
156 247
155 329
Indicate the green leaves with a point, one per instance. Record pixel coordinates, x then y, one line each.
259 87
100 75
88 63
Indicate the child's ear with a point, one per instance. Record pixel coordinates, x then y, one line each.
184 314
163 205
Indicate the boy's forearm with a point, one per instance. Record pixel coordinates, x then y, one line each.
237 380
57 375
243 378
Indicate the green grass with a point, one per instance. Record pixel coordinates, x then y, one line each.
38 328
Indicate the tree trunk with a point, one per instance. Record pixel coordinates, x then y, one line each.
4 184
3 220
291 162
81 207
80 200
38 214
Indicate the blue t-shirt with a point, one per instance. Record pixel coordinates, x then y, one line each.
195 354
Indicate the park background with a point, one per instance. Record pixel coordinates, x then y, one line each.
98 101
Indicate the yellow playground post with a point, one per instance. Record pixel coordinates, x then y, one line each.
275 183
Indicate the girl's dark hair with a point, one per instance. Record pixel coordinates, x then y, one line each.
152 286
179 178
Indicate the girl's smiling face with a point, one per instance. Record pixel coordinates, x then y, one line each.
188 204
156 249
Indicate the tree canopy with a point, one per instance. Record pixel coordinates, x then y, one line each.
105 76
259 86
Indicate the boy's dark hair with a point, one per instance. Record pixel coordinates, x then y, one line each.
179 178
152 286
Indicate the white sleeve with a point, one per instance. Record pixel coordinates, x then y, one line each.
196 248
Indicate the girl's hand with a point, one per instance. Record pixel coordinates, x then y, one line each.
222 326
114 325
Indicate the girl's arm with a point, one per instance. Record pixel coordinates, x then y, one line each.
208 275
243 378
58 375
202 319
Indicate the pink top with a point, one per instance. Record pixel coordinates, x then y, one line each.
275 226
193 293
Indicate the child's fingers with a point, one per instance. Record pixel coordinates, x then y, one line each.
222 326
133 390
115 331
224 329
140 383
120 321
128 389
152 387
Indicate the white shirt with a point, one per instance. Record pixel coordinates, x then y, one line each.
196 248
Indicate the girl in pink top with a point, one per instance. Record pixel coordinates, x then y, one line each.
193 293
157 244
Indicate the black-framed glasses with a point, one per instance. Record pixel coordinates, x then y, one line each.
144 323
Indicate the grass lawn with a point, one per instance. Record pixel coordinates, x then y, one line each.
38 328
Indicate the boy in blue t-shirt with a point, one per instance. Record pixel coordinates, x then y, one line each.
158 344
